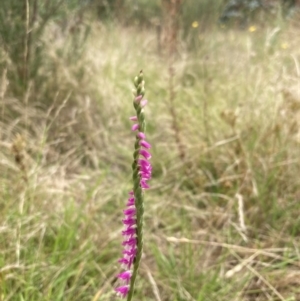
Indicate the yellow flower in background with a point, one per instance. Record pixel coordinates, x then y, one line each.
195 24
252 28
284 45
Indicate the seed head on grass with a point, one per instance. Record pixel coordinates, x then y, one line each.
141 174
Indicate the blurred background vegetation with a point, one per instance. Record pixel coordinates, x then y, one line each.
222 80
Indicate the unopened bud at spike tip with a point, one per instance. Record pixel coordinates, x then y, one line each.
140 77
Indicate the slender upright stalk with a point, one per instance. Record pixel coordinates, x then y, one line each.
141 173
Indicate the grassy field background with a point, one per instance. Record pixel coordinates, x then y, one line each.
221 223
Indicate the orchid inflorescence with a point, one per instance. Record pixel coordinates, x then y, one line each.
141 174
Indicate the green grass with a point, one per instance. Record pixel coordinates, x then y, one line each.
238 108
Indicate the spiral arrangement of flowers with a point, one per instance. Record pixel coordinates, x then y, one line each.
141 174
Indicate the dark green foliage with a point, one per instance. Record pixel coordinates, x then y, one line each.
245 10
22 24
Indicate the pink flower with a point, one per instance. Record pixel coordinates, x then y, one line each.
131 252
129 242
143 162
145 154
129 212
129 221
138 98
129 232
144 102
125 276
135 127
145 144
130 202
122 291
141 135
144 185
